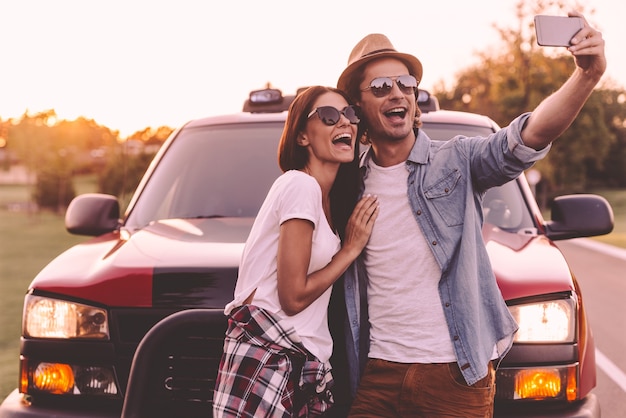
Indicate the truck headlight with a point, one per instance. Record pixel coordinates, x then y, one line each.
67 379
538 383
55 318
546 321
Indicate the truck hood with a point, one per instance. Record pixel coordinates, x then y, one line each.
526 265
173 262
193 263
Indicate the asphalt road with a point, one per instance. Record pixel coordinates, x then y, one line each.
601 273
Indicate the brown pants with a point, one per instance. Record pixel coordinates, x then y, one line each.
390 389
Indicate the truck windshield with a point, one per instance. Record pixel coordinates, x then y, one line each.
226 171
212 171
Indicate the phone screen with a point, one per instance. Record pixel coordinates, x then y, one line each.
556 30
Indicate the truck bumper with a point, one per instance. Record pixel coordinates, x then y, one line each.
586 408
14 406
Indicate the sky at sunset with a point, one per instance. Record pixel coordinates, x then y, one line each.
136 63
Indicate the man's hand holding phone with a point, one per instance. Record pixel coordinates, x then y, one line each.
584 42
557 30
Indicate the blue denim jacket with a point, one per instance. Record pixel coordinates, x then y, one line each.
446 184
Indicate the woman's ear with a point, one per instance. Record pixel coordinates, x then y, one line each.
302 140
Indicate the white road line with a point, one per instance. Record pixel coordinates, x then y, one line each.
608 367
612 250
602 361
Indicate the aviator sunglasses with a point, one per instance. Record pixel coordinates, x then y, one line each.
381 86
330 116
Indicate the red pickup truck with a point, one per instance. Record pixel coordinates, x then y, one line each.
171 259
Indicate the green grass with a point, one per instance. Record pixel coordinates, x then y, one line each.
13 193
617 198
30 240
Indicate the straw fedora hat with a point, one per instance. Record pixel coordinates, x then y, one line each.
373 46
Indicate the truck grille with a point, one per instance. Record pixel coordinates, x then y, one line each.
179 368
185 372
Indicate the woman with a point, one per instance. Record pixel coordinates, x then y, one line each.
277 345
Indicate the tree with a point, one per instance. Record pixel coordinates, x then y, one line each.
613 172
126 165
123 172
515 78
54 188
55 151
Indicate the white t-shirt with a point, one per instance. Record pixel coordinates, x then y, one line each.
294 195
406 317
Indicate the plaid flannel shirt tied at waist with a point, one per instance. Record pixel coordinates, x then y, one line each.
260 357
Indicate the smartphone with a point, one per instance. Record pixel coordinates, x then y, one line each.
556 30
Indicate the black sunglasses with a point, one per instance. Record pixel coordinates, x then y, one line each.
381 86
330 116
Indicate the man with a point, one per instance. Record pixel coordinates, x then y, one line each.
438 324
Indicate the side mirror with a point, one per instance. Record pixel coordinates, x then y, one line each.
582 215
92 214
426 101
